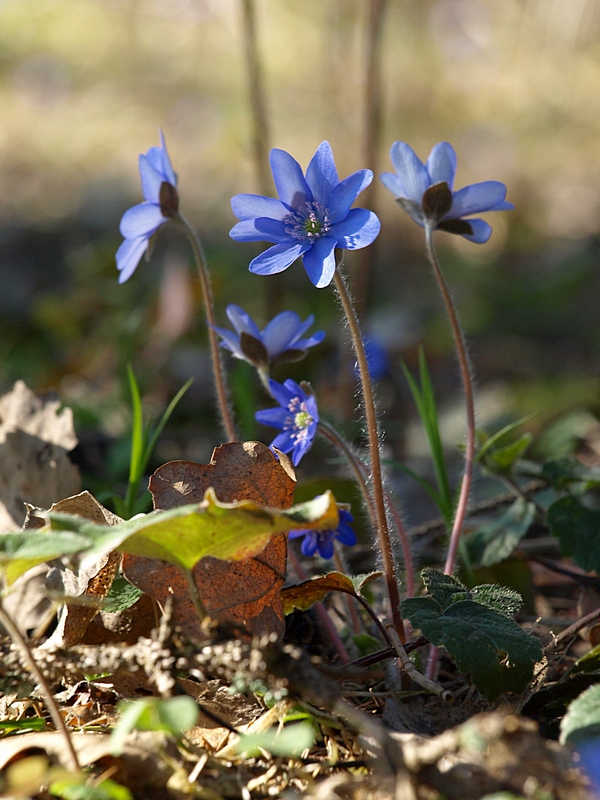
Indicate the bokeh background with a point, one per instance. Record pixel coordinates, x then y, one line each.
84 87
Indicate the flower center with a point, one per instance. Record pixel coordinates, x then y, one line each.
300 420
310 221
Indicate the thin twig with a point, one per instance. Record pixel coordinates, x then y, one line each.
410 669
59 723
574 629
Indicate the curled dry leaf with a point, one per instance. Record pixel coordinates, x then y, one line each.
246 592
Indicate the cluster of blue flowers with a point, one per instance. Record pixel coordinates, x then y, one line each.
313 217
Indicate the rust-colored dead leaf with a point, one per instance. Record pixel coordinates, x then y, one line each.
304 595
91 585
246 592
35 438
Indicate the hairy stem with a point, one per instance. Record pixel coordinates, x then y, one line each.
385 542
217 364
59 723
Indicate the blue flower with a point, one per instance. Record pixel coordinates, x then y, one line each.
141 222
377 358
279 341
311 218
323 541
297 418
426 193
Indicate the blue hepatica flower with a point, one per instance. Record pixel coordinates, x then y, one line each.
281 339
297 417
426 192
323 541
312 217
140 223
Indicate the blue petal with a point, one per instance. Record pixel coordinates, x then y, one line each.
230 341
284 394
393 183
278 334
242 321
325 544
346 192
481 231
289 180
310 543
476 198
129 255
319 261
311 341
141 220
321 175
410 169
359 229
277 258
441 164
284 442
249 206
260 229
167 169
154 157
295 390
151 180
273 417
297 534
344 534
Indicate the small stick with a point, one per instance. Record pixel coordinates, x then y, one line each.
413 672
573 629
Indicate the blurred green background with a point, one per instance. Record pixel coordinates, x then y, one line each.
84 87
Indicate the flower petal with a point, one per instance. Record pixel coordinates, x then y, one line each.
325 544
410 169
284 442
277 258
476 198
151 180
249 206
344 534
481 231
321 175
393 184
260 229
310 543
273 417
311 341
282 394
167 169
230 341
319 261
346 192
280 331
441 164
289 180
129 255
359 229
141 220
242 321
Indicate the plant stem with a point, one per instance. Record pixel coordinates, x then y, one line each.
194 593
328 432
217 364
350 607
385 542
321 610
59 723
467 381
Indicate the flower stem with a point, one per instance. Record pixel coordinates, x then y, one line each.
387 553
59 723
467 381
217 364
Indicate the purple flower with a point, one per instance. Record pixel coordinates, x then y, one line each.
311 218
426 193
297 418
281 339
141 222
323 541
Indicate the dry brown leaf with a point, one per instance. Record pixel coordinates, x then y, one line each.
35 438
246 592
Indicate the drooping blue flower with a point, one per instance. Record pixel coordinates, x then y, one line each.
426 192
312 217
161 202
323 541
297 417
281 339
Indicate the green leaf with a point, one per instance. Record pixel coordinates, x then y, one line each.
488 443
561 472
501 459
489 649
173 716
184 535
578 531
444 589
582 720
121 595
494 542
590 662
78 788
499 598
291 741
26 549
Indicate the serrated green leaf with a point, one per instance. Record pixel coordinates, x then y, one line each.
494 542
359 581
582 720
489 649
26 549
444 589
499 598
578 531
